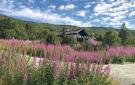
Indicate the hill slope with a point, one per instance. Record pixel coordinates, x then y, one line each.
12 24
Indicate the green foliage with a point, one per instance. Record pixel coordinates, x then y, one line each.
20 33
88 47
13 28
119 59
9 33
62 79
71 40
52 39
63 33
112 38
100 38
42 76
125 35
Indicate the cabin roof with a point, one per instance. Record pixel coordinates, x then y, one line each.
71 32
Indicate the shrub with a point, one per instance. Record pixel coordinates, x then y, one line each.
52 39
117 60
112 38
42 76
69 40
88 47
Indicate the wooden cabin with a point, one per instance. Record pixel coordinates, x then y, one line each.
79 34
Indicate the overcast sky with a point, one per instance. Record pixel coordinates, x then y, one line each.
82 13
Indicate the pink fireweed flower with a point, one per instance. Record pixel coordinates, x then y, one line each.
34 60
20 64
25 77
1 61
45 60
68 58
99 69
40 61
95 42
70 74
107 69
57 68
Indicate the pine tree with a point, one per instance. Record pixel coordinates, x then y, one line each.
125 35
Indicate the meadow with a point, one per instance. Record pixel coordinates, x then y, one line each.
34 63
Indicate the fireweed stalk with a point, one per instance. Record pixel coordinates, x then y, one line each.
52 64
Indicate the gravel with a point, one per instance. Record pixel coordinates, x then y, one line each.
124 74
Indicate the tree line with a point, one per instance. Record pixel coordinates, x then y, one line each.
120 37
11 28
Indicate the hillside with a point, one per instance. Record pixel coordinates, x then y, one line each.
37 25
9 25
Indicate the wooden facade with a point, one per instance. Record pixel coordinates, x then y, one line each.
79 34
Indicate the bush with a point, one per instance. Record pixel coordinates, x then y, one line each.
51 39
42 76
119 59
130 59
112 38
88 47
69 40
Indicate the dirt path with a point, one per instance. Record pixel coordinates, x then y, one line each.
125 73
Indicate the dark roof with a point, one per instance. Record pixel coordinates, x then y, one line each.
71 32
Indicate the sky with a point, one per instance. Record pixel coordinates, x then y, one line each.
82 13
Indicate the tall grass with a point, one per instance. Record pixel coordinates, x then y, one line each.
52 65
111 54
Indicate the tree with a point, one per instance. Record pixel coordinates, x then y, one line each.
6 24
20 33
63 35
70 40
28 27
52 39
9 33
125 35
112 38
100 37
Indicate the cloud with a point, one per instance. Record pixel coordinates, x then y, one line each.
87 6
47 17
114 13
132 13
106 19
129 25
31 1
101 8
12 4
67 7
116 8
81 13
96 20
91 16
101 12
62 7
52 7
70 6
